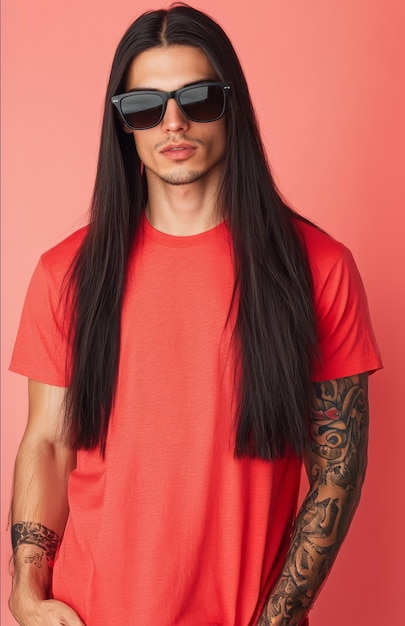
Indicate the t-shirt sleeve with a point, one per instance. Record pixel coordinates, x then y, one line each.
347 344
40 350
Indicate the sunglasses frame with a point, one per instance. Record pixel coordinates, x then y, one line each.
166 96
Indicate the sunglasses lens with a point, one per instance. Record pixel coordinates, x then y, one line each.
203 103
142 110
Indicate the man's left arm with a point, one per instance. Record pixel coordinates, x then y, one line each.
335 465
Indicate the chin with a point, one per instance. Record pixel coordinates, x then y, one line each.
182 178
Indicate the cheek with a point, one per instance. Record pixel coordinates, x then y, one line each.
214 140
220 136
137 142
143 143
219 146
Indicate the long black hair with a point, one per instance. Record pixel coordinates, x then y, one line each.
275 333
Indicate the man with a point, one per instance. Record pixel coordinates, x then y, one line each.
185 352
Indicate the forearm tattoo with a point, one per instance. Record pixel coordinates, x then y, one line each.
337 465
37 535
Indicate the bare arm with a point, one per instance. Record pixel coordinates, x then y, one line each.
336 467
40 509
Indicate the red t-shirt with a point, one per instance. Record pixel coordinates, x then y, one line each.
170 528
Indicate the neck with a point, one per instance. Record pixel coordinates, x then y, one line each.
183 210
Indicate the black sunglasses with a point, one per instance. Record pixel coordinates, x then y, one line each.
144 108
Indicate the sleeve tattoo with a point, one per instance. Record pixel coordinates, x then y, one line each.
336 467
36 535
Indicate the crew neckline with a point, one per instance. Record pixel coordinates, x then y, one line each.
181 241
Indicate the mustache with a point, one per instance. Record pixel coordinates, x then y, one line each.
177 139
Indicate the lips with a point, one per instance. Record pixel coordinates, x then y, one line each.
178 146
178 151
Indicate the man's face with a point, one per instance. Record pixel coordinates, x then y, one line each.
177 151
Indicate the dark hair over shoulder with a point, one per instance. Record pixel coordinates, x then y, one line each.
275 329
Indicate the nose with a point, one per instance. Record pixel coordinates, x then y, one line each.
174 119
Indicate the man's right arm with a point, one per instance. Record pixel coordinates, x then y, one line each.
40 509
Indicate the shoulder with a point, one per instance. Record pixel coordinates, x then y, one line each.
320 245
325 253
57 260
337 284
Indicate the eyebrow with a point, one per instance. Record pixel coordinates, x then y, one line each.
195 82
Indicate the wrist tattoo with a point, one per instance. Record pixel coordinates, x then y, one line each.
35 558
35 534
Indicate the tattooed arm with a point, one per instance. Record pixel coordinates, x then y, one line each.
336 467
39 510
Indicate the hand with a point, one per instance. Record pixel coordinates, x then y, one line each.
45 613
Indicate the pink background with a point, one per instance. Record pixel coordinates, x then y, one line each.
327 79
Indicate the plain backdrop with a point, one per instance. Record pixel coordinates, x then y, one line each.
327 80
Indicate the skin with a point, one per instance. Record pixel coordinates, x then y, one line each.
336 467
